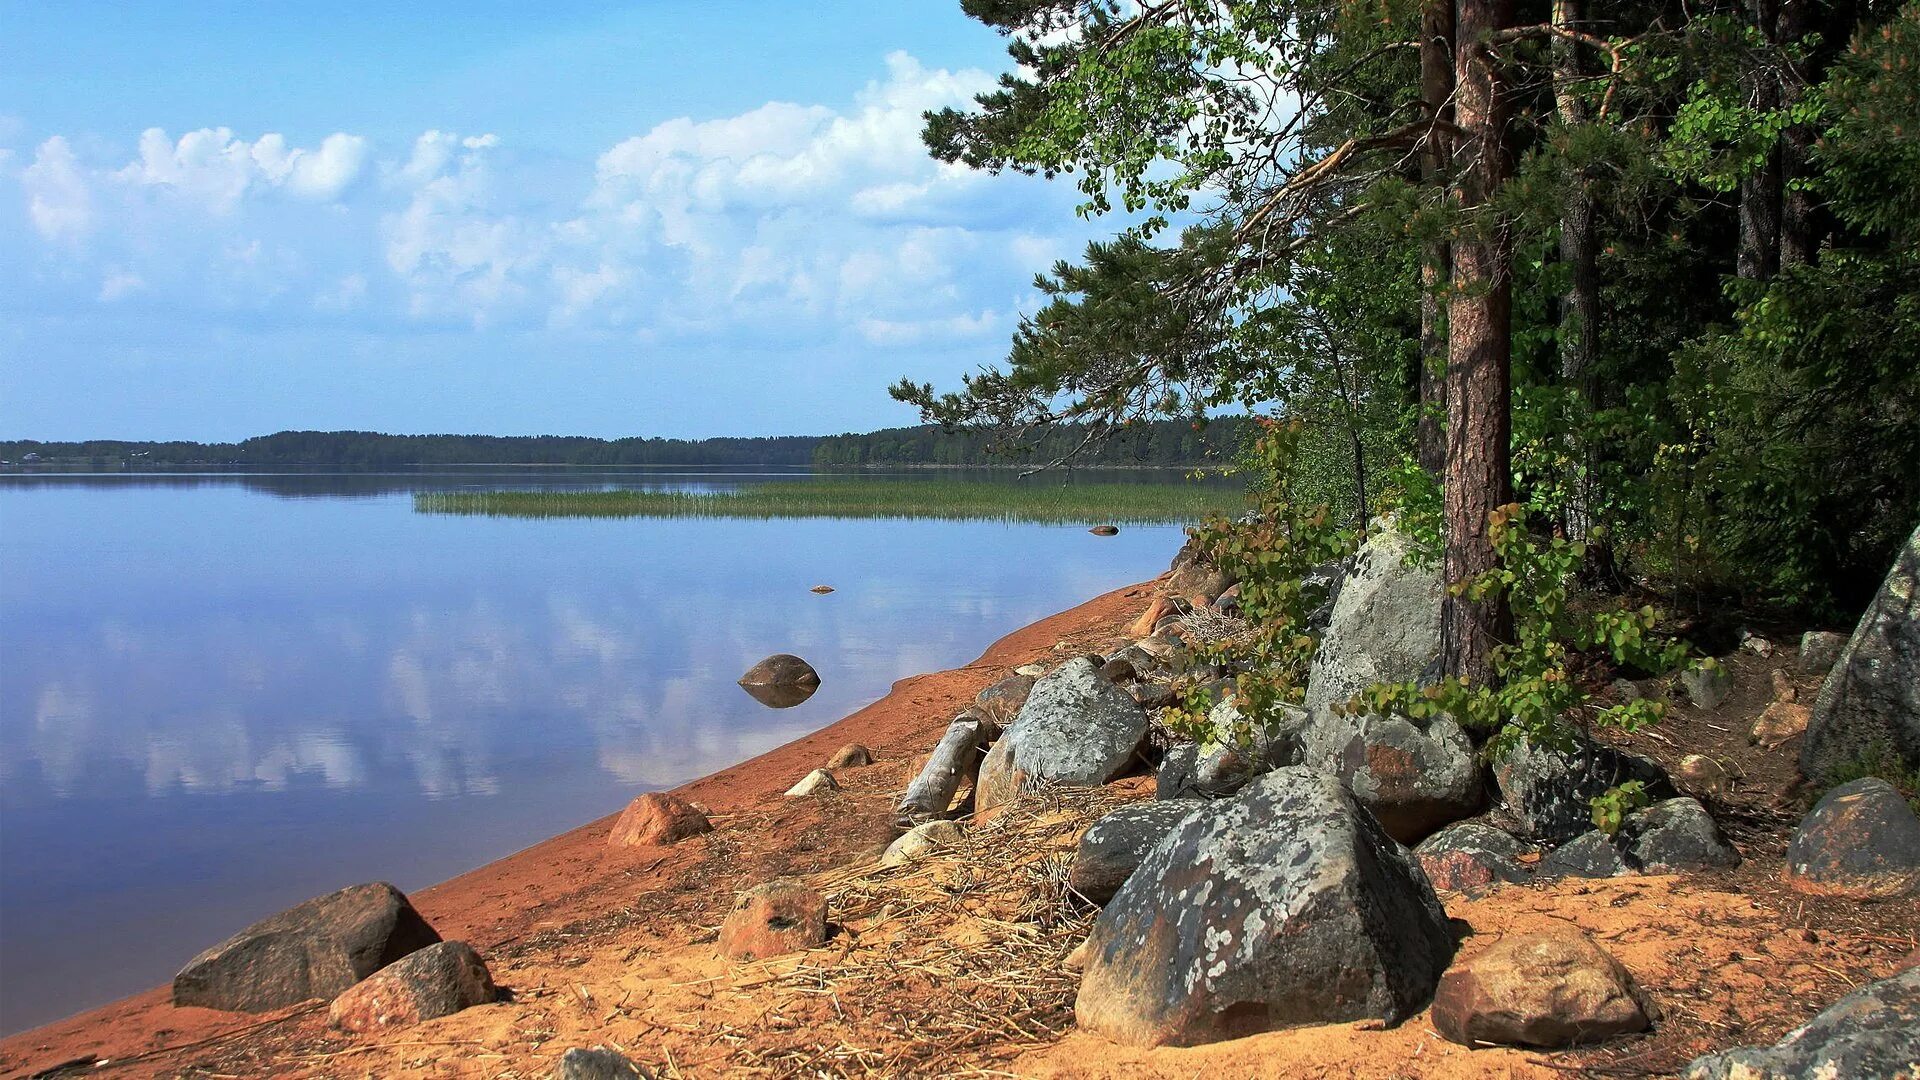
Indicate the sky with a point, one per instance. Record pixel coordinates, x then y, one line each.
662 218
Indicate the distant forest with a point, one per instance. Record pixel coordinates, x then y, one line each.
1162 443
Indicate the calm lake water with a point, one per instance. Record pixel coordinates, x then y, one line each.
223 694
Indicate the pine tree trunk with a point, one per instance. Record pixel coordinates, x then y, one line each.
1759 254
1436 261
1579 331
1479 476
1799 233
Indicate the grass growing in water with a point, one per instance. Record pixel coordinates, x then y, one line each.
1137 504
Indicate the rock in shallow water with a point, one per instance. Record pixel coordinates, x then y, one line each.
1285 905
781 681
437 981
1872 1032
313 950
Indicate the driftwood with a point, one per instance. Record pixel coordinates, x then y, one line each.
955 760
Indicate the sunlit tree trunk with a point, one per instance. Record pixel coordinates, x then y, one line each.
1436 261
1579 331
1479 474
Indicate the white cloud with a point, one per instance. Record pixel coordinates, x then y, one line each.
212 166
58 200
119 283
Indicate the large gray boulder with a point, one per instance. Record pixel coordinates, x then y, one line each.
1414 778
1471 855
1228 763
1075 729
312 950
1111 848
1551 791
1287 904
1670 837
1872 1032
1385 622
1868 710
1861 840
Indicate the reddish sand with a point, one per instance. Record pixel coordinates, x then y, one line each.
574 876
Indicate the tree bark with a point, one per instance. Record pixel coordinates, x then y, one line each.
1759 253
1579 330
1799 232
1436 261
1479 475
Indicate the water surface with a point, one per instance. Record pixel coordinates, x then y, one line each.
221 694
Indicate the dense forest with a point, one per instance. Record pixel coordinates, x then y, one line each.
1163 442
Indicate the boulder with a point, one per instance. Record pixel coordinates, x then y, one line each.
1590 855
1626 690
1158 609
1414 778
1319 589
1470 856
1152 695
1868 710
1112 847
1228 762
1872 1032
1550 791
1707 685
1003 699
1076 729
1670 837
1287 904
774 918
1545 990
851 756
316 949
1031 671
1384 625
1699 774
436 981
921 841
596 1064
781 681
1118 669
1105 530
1778 722
1819 651
1861 840
657 818
817 782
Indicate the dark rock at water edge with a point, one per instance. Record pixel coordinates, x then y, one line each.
597 1064
1471 855
436 981
1872 1032
1111 848
1550 791
781 681
1869 706
1860 840
1287 904
316 949
1414 778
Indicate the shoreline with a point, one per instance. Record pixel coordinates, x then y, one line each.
574 876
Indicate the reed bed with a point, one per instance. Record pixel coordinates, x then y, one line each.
956 500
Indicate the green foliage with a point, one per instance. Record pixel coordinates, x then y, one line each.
1268 553
1611 807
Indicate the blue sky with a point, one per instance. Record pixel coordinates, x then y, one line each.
679 219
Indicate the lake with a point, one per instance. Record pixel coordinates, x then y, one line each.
221 694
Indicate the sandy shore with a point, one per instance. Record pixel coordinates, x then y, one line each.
574 877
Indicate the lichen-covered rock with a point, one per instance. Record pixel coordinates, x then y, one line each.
1111 848
1076 729
1236 754
657 818
1384 625
596 1064
1819 650
1287 904
1860 840
774 918
1670 837
1872 1032
921 841
1869 706
1551 792
1707 685
436 981
316 949
1470 855
1415 779
1546 990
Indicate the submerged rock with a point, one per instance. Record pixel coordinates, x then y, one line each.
312 950
436 981
781 681
1287 904
1872 1032
1105 530
1545 990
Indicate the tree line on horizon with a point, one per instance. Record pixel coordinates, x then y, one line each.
1165 443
